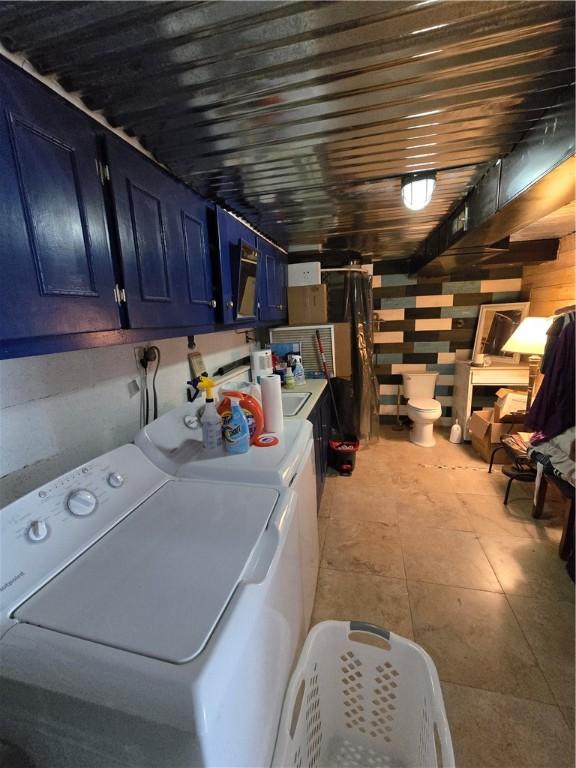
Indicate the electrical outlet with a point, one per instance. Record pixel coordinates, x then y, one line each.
138 354
307 273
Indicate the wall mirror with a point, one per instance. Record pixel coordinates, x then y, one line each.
496 323
247 281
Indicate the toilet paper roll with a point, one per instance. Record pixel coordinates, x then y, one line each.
272 403
261 364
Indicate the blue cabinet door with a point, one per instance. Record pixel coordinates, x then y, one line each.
232 234
281 286
163 242
273 290
267 283
57 275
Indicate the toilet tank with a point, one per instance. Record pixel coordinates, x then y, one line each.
419 385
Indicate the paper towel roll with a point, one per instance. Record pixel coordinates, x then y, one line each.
272 403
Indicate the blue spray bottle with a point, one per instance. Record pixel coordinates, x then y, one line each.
236 430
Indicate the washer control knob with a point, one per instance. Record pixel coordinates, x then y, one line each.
81 503
115 480
38 530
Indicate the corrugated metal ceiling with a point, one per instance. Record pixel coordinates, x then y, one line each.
302 116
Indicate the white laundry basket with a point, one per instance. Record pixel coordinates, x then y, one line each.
362 696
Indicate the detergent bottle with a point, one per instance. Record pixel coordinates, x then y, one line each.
236 430
211 420
289 380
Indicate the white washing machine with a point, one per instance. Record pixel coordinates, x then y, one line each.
174 443
146 621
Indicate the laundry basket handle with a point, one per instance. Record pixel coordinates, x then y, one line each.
373 629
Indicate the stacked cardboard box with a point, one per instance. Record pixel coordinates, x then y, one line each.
308 305
509 401
486 433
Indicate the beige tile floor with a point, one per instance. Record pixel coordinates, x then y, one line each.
419 541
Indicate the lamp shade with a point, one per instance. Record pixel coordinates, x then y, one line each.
530 336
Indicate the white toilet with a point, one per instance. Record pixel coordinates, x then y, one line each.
422 409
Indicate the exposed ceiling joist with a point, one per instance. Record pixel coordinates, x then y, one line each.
534 181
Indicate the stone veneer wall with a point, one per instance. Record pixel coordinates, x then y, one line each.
427 323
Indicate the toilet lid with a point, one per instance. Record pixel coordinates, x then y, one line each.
425 404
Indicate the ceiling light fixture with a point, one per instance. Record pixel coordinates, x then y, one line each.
417 189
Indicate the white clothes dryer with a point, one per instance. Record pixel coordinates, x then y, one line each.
174 443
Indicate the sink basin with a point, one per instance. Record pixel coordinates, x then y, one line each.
292 402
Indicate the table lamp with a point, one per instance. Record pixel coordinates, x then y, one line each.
530 339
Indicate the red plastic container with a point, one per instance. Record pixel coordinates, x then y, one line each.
342 455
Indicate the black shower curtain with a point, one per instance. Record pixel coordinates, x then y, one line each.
350 300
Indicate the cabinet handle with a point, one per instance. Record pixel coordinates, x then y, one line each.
213 303
230 304
119 295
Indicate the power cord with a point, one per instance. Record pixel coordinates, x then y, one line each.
150 355
154 393
143 390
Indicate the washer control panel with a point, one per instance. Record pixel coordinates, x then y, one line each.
48 528
82 502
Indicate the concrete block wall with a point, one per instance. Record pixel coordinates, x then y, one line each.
427 323
58 411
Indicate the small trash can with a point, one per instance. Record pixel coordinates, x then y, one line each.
362 696
342 455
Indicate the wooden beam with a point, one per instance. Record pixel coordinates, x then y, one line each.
525 252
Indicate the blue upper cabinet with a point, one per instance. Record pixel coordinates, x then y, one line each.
99 244
273 283
163 241
240 269
57 275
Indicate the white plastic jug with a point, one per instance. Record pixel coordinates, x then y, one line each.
456 433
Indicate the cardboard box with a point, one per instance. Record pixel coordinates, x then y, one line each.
486 434
342 350
308 305
509 401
